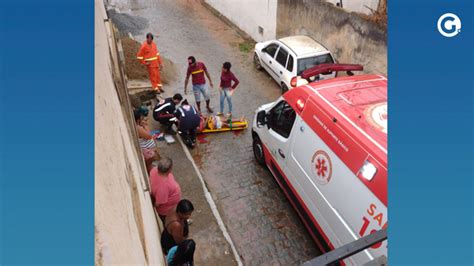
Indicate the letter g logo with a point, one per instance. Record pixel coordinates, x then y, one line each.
449 25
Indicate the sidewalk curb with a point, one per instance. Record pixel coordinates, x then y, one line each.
211 203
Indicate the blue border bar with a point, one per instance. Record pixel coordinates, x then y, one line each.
431 135
47 135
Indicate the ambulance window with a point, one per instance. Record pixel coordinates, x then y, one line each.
282 118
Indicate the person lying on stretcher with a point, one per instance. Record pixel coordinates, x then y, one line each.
215 122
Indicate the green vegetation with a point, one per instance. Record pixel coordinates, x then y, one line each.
246 46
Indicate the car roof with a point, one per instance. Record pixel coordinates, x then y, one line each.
303 45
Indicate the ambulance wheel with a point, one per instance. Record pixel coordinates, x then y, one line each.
284 88
256 62
258 151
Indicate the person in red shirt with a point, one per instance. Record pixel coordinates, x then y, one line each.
226 87
165 191
197 71
150 56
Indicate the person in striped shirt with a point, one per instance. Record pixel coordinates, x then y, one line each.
145 139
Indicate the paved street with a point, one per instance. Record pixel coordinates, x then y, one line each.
263 225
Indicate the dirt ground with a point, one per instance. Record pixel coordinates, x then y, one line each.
135 70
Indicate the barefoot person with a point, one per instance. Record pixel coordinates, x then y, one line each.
227 88
197 70
176 225
149 56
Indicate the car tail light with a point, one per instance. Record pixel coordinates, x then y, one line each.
293 81
300 104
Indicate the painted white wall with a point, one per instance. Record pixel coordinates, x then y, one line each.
249 14
126 229
357 5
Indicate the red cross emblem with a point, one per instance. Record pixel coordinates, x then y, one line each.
322 167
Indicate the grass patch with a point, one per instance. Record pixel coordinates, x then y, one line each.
246 46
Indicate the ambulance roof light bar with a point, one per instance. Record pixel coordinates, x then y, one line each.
328 68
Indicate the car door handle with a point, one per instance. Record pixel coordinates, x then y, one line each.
281 154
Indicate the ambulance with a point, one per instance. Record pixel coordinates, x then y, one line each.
326 145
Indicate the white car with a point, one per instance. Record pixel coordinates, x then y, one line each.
285 59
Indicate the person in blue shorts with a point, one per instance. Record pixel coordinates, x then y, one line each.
197 70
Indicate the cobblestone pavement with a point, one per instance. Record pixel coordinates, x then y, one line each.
262 223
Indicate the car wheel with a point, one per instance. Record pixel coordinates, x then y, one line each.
258 151
256 62
284 88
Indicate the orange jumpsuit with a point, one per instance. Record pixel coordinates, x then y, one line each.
149 53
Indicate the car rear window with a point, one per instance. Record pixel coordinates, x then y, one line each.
309 62
290 64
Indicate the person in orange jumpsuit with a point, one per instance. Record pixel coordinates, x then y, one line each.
150 56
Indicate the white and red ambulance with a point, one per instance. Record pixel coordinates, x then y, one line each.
326 145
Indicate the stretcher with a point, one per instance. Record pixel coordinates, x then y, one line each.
206 127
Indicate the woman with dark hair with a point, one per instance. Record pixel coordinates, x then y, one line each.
144 136
182 254
146 140
226 89
176 225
